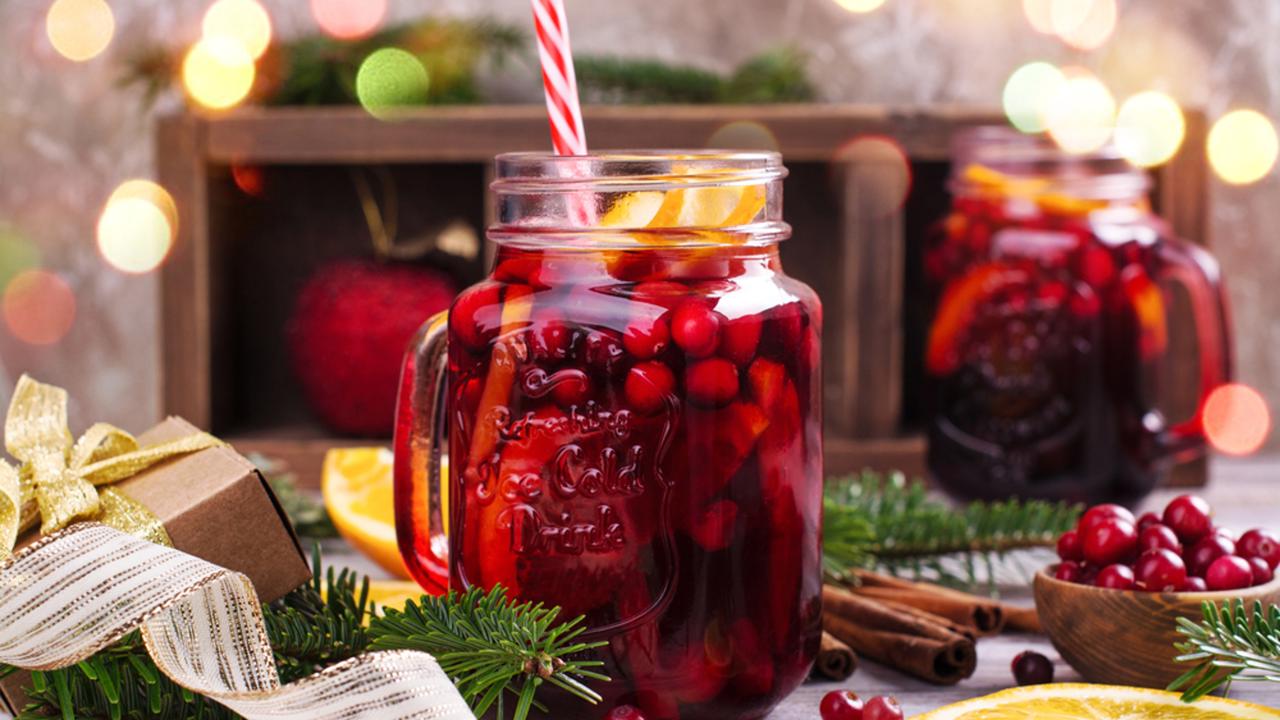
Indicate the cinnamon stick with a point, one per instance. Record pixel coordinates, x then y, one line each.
909 642
1022 619
836 660
984 615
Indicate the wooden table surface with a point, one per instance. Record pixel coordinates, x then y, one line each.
1244 494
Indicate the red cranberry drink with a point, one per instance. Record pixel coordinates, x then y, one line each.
633 416
1048 284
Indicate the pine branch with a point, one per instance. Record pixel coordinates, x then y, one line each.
492 647
1230 644
872 520
771 77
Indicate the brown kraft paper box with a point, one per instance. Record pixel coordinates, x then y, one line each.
217 506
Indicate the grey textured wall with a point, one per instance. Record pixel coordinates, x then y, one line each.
68 134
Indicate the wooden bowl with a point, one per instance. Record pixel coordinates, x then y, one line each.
1123 636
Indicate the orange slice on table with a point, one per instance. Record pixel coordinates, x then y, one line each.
359 495
1072 701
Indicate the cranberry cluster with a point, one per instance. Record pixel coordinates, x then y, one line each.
845 705
1179 551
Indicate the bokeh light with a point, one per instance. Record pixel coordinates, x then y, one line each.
1242 147
39 307
391 78
1081 114
349 19
879 172
218 72
743 135
1236 419
244 21
1039 14
1027 94
137 227
860 6
80 29
17 253
1149 128
1083 24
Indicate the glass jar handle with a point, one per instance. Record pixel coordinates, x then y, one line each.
420 435
1197 271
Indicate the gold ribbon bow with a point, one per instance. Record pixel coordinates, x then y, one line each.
58 481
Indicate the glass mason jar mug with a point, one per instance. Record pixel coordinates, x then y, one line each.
1049 285
633 411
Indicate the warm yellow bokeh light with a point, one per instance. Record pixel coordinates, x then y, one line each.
1039 14
1149 128
1242 147
244 21
860 6
1027 94
879 170
349 19
39 307
80 29
1083 24
743 135
137 227
218 72
1236 419
1081 115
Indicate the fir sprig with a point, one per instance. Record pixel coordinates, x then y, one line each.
884 521
1230 643
774 76
494 648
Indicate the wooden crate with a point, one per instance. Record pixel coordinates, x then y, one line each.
224 364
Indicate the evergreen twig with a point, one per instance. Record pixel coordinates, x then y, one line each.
878 521
775 76
1231 643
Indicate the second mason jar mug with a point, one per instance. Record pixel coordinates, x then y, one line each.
1050 284
632 401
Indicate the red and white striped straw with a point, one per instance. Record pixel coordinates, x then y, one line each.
558 79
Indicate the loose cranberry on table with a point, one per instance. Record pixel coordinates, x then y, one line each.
1161 570
882 707
1109 541
1259 543
1032 668
840 705
625 712
1189 517
1229 573
1115 577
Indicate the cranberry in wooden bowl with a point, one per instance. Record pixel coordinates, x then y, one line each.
1178 561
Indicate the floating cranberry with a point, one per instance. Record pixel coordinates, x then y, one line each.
1228 572
840 705
648 386
646 336
1206 551
882 707
1194 584
1115 577
1070 547
1188 516
1031 668
712 382
740 337
1111 541
550 340
1262 572
1259 543
572 387
696 329
1161 570
1148 519
476 315
625 712
1107 511
1068 571
1097 267
662 293
1157 536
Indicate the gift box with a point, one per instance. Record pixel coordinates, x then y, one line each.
215 505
